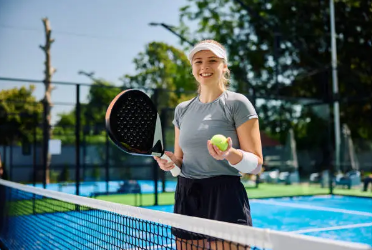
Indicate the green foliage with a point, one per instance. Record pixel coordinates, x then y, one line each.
101 93
65 174
163 67
96 172
298 34
92 114
159 66
20 113
53 176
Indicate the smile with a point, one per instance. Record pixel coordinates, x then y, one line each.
206 74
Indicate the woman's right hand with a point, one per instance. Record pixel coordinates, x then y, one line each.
164 164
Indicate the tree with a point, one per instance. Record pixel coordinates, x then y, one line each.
47 101
92 118
163 67
101 93
19 114
283 48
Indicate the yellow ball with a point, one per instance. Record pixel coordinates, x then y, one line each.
220 141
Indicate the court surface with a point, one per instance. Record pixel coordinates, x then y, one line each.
333 217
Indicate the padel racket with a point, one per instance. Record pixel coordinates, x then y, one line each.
133 124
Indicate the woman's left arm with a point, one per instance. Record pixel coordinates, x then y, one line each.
250 142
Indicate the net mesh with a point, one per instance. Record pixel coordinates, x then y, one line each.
33 218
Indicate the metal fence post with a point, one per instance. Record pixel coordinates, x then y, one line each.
77 140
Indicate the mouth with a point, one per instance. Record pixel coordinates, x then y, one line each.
206 75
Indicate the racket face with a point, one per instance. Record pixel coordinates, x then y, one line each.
133 124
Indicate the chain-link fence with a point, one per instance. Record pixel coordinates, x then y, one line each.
297 138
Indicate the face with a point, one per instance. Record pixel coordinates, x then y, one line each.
207 68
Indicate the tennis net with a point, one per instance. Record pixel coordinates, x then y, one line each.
35 218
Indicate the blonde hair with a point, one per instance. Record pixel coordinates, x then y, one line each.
226 75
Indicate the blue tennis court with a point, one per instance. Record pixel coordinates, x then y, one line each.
37 217
87 188
331 217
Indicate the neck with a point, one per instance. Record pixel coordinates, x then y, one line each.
210 94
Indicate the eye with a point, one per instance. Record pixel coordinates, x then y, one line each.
197 62
213 61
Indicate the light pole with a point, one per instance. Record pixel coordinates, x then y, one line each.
336 108
170 28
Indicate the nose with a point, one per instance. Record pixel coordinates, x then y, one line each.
205 66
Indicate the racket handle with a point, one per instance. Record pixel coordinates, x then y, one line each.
174 171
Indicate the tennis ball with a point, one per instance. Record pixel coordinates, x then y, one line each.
220 141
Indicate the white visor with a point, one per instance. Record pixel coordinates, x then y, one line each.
217 50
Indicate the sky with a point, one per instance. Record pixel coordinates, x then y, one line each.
103 36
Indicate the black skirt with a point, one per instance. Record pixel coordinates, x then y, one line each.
221 198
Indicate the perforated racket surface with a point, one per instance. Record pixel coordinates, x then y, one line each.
133 124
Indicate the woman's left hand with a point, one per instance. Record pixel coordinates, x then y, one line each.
217 153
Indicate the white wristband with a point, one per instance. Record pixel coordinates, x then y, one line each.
248 163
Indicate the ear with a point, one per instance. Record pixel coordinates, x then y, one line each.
225 67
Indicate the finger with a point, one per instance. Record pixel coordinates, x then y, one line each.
210 147
213 153
171 156
166 161
169 164
209 144
167 167
163 161
164 168
217 150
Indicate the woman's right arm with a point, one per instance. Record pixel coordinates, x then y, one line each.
176 157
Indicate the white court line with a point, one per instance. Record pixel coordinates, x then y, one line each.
332 228
336 210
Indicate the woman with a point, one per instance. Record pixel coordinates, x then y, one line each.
209 184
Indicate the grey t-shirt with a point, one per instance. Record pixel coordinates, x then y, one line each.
198 122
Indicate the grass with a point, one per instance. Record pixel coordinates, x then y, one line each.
353 192
147 199
263 191
266 190
40 206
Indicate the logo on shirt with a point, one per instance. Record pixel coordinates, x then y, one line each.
207 118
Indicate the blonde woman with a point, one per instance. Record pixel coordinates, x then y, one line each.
209 184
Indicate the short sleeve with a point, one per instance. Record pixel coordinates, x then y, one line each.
243 110
176 120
